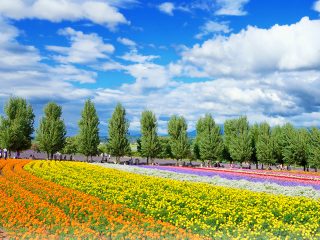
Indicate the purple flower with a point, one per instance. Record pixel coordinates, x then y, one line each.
236 176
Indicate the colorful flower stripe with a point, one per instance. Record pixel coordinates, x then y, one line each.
241 176
88 216
298 173
25 214
217 212
279 174
266 187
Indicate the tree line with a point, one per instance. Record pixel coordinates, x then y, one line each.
258 144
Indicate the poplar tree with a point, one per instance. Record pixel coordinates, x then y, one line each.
165 148
239 140
71 146
88 138
52 131
314 148
149 137
297 150
254 132
118 143
177 129
264 145
229 131
16 127
209 139
286 138
278 144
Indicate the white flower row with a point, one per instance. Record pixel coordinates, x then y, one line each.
266 187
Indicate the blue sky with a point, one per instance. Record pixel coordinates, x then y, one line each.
224 57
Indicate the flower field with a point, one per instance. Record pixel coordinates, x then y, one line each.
218 212
232 181
33 207
280 178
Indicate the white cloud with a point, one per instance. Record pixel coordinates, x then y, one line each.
211 27
316 6
147 75
112 65
127 42
85 48
231 7
256 50
13 55
276 98
217 7
167 8
99 12
224 98
23 74
134 56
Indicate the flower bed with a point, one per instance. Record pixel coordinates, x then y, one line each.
33 207
243 175
215 212
188 175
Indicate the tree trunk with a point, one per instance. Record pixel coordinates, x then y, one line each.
262 166
304 167
48 156
87 158
148 160
257 165
315 169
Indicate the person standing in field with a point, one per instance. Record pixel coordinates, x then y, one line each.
0 153
5 154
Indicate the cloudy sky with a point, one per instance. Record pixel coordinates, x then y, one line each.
259 58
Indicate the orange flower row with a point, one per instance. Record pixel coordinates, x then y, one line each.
33 205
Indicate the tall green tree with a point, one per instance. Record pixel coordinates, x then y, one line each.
51 133
71 146
149 137
254 131
286 137
88 138
314 148
278 144
16 127
238 139
297 150
265 145
209 138
165 148
195 148
177 129
118 143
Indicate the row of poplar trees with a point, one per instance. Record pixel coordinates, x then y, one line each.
17 127
258 144
240 142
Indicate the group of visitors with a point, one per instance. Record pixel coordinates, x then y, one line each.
3 153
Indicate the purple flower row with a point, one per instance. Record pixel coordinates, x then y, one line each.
236 176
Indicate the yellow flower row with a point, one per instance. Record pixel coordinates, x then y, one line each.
217 212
